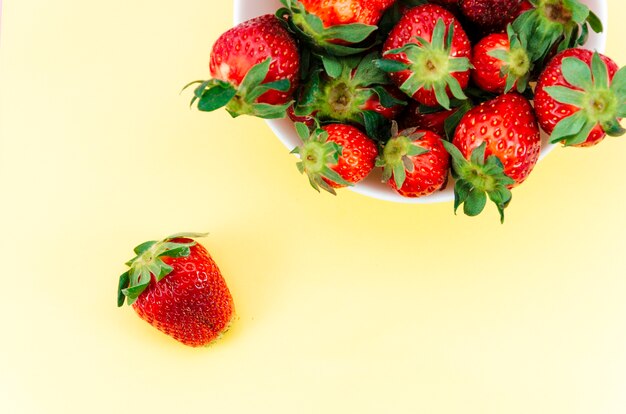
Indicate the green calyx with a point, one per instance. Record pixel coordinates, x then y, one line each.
339 90
148 263
600 101
396 158
317 156
431 65
338 40
477 179
517 65
560 24
213 94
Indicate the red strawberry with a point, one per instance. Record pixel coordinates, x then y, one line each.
555 25
581 97
308 120
255 69
351 90
524 6
336 156
501 63
495 147
427 54
415 163
414 117
334 26
489 14
175 286
335 12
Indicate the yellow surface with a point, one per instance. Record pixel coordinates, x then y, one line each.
346 304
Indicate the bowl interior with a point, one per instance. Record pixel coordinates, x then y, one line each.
372 185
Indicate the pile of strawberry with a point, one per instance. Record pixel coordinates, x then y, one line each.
422 89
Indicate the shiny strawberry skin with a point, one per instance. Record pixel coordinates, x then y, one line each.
358 155
413 118
509 127
489 14
192 304
524 6
374 104
549 111
486 72
237 50
430 170
335 12
420 21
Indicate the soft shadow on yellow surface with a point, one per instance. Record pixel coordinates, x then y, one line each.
345 304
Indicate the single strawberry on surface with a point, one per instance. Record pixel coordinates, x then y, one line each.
427 56
255 70
175 286
336 26
495 147
415 162
335 156
580 98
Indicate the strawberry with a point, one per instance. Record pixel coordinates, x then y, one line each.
415 162
351 90
427 55
336 26
255 69
335 156
175 286
489 14
501 63
524 6
581 97
494 149
415 117
555 25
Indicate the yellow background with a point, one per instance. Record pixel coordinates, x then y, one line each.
345 304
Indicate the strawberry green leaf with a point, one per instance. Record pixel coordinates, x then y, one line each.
368 73
441 94
399 174
566 95
350 33
600 72
462 190
302 130
123 283
613 128
581 136
478 155
255 76
216 97
281 85
568 127
576 72
475 203
385 98
618 84
143 247
376 125
389 65
332 66
579 11
595 22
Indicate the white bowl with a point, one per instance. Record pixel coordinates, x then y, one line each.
372 185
